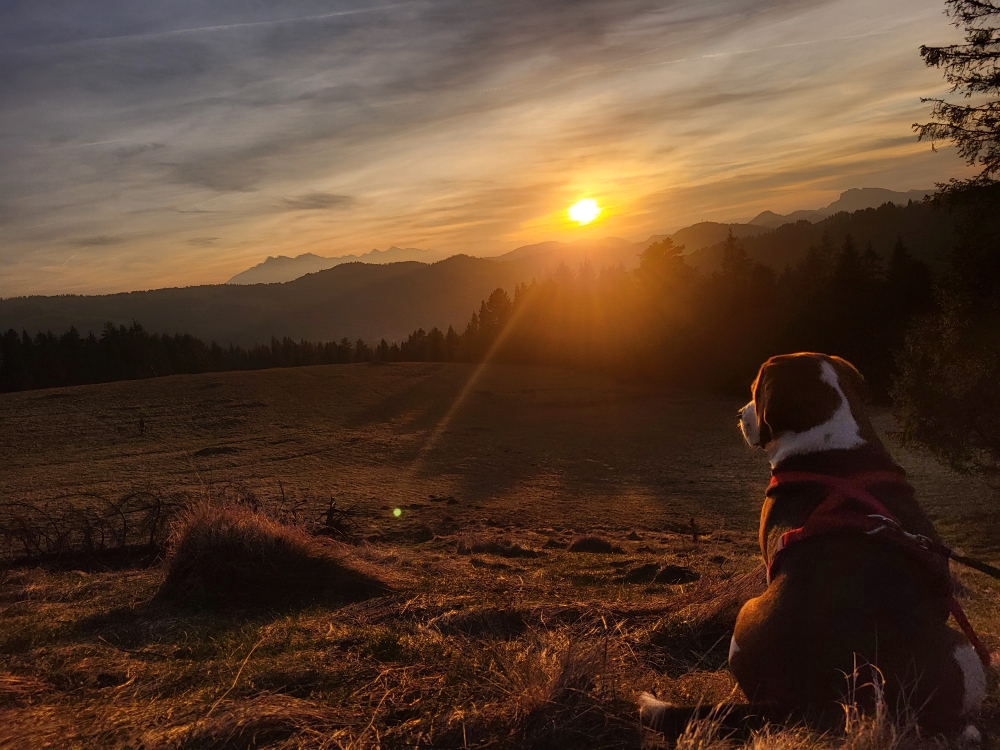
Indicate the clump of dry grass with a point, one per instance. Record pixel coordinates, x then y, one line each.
700 627
594 544
235 556
559 690
708 732
867 725
262 721
16 689
499 547
675 575
496 622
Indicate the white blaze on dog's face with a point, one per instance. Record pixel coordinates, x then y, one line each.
804 403
749 426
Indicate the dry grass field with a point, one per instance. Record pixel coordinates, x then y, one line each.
491 630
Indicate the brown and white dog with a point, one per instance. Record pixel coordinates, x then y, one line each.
846 598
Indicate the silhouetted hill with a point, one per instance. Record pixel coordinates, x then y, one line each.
545 257
608 251
772 220
707 233
371 301
277 270
356 300
926 231
855 199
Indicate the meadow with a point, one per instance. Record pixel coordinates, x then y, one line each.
464 487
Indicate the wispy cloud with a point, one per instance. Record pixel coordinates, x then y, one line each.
464 125
319 201
102 240
166 33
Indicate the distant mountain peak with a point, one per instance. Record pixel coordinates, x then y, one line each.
854 199
281 269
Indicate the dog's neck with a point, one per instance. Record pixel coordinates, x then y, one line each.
839 432
869 457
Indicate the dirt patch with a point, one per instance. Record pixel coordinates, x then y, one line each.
222 450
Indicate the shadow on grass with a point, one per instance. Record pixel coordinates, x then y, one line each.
131 557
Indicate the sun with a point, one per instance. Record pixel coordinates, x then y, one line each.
585 211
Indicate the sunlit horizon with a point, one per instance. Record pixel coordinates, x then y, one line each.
188 147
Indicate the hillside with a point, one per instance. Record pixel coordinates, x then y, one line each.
614 251
356 300
926 231
855 199
278 270
546 257
373 301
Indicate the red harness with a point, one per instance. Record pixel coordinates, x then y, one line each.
836 513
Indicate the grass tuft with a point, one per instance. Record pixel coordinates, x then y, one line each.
234 556
701 629
263 721
675 575
560 690
498 548
595 544
16 690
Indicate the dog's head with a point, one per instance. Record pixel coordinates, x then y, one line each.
804 403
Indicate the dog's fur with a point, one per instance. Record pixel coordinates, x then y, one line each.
842 603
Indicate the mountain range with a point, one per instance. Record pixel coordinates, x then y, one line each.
854 199
279 269
609 251
389 300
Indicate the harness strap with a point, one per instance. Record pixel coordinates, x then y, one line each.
833 514
963 622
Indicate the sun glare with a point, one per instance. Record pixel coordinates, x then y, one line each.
585 211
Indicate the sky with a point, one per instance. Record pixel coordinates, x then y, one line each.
178 142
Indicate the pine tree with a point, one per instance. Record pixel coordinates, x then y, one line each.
972 69
947 387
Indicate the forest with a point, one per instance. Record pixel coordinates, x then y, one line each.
664 321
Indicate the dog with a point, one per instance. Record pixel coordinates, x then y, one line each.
858 582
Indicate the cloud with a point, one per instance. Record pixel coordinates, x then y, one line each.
232 173
317 201
103 240
127 152
464 123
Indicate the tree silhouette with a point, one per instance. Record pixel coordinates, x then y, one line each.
948 382
662 264
972 69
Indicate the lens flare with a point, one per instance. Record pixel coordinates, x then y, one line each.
397 512
585 211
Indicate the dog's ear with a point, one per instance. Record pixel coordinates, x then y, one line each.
757 393
790 395
852 382
856 390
